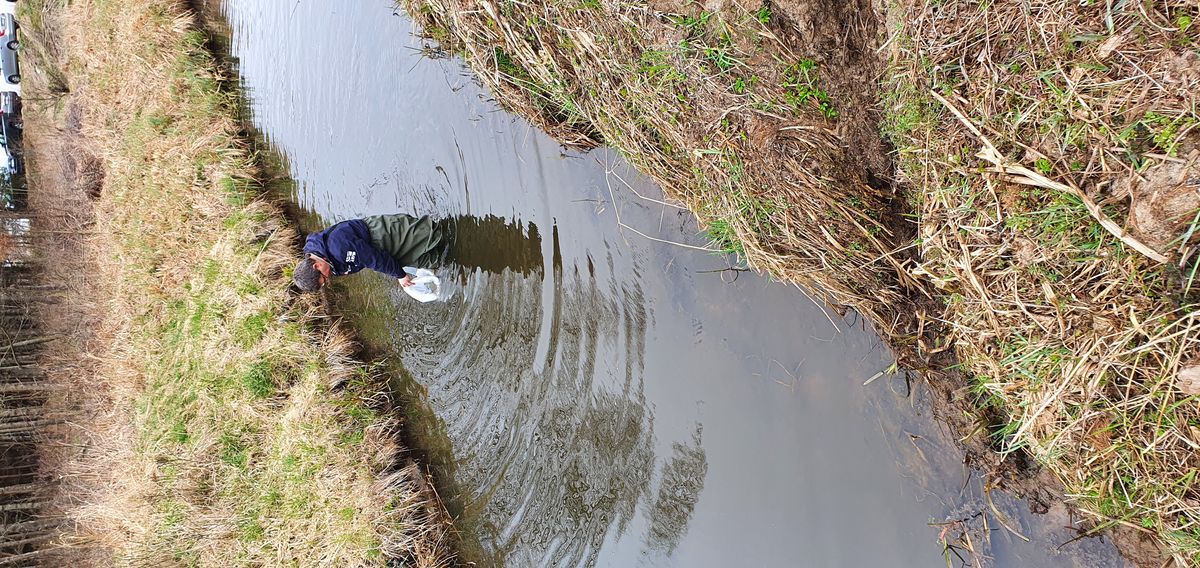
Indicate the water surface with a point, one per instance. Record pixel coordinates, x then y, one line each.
589 395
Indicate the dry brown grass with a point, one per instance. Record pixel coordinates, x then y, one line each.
212 435
1076 322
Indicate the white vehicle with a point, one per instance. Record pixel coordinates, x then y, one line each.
10 71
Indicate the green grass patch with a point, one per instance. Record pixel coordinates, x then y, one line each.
801 88
724 237
257 379
252 329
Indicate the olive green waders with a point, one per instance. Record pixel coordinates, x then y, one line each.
412 241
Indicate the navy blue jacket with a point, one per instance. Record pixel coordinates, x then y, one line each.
347 248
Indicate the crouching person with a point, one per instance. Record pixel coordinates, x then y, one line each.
383 243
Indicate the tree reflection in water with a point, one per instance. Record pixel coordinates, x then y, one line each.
535 375
679 489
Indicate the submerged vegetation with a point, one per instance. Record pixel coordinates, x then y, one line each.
1031 237
227 422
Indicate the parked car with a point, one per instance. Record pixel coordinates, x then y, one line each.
14 193
11 131
10 109
9 44
13 188
10 112
11 156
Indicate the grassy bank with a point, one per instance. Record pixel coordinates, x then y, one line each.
1052 156
226 421
1034 228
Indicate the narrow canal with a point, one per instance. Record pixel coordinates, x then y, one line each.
596 390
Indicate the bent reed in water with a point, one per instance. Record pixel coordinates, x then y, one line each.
1041 240
227 422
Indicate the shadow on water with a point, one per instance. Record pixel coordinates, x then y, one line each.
682 483
495 245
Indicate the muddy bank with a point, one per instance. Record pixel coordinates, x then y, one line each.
992 272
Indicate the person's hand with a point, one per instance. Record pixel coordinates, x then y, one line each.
406 281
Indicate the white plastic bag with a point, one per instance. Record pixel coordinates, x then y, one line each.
425 284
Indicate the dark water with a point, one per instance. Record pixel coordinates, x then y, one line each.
590 395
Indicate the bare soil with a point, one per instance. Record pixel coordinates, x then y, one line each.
843 37
1165 199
